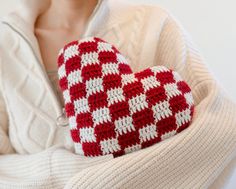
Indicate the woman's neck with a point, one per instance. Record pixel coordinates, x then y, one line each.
65 14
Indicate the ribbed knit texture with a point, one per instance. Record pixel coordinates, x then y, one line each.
36 153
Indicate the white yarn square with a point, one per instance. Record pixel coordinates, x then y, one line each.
189 98
121 59
89 58
124 125
74 77
94 86
110 68
149 83
81 105
87 134
109 146
70 52
72 122
115 95
61 71
101 115
103 46
66 96
137 103
171 90
183 117
128 78
147 133
161 110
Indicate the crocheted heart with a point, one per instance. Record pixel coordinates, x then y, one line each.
112 110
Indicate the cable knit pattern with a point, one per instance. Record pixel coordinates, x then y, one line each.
37 153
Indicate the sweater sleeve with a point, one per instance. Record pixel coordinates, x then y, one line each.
19 171
193 158
49 169
5 144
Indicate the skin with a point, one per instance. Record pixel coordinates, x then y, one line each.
60 22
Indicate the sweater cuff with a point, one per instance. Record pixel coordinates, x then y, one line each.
65 164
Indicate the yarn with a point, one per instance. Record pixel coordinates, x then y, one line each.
111 109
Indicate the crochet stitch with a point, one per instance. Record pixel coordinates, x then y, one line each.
112 110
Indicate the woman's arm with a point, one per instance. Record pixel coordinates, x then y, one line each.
19 170
5 144
191 159
49 169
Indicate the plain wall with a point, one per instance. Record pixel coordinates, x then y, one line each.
212 26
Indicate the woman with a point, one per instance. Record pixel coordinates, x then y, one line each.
37 151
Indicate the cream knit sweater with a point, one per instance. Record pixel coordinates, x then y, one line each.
38 153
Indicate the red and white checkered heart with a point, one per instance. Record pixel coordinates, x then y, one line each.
112 110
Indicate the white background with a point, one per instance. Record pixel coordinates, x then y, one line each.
212 26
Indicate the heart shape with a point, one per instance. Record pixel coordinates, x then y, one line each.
112 110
